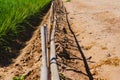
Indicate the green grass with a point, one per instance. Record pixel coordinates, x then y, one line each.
14 12
68 0
22 77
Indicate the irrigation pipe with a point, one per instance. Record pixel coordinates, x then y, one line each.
53 63
44 68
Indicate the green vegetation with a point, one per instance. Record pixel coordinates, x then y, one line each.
22 77
62 77
14 12
68 0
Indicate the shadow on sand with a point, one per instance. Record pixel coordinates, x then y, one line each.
80 50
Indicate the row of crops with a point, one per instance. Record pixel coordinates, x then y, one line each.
14 12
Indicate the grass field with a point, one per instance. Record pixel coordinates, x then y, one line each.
14 12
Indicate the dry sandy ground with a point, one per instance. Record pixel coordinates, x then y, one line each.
97 25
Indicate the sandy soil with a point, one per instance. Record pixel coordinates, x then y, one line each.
96 25
87 43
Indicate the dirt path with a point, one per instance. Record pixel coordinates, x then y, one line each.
96 26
